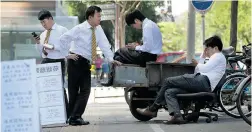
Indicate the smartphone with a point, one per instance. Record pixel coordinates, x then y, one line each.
34 35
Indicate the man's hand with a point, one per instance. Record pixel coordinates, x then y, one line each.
131 46
37 39
115 62
204 53
48 47
194 62
73 57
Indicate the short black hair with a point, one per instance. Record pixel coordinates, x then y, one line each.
43 14
136 14
91 11
214 41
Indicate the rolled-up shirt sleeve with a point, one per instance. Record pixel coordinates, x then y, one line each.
201 60
147 40
66 39
213 62
104 45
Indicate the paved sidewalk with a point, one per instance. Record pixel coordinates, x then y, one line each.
116 117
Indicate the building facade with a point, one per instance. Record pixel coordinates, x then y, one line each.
19 20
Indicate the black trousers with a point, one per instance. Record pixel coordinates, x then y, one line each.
79 85
128 56
63 68
188 83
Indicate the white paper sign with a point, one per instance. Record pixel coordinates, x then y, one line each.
19 97
51 94
52 115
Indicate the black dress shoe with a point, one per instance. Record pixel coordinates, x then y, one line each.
77 121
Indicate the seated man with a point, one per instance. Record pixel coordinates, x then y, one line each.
152 41
205 79
140 54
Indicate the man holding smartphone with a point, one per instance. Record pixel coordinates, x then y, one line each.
48 43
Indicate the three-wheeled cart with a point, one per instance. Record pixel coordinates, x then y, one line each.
143 83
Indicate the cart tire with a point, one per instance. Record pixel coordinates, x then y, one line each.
134 104
127 95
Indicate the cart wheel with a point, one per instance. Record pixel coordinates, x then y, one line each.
127 95
215 118
134 104
208 120
195 120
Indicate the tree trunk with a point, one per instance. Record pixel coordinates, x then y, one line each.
125 8
233 29
122 32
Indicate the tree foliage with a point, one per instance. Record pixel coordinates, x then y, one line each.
174 36
146 7
148 10
217 22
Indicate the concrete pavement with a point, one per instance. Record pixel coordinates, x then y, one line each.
116 117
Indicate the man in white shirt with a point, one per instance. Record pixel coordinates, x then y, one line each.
50 37
139 54
86 36
205 79
152 41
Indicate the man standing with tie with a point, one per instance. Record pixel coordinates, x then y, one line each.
85 36
48 44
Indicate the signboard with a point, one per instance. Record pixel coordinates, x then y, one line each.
202 6
108 11
51 94
19 97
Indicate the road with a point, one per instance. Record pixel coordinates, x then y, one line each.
116 117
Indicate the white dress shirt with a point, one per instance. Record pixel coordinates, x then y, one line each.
57 52
152 38
82 37
214 69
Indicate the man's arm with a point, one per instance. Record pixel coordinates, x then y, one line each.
39 46
57 46
202 59
104 45
212 63
203 56
147 40
66 38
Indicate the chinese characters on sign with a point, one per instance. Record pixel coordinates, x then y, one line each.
19 97
47 69
16 73
16 100
51 97
18 125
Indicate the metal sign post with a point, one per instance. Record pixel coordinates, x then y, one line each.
203 27
202 6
